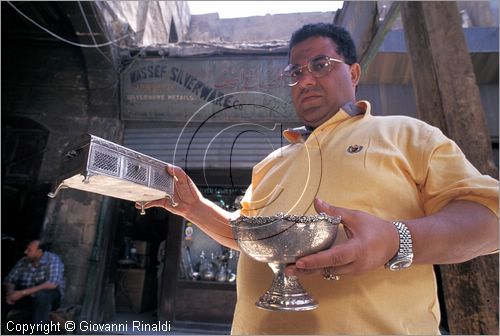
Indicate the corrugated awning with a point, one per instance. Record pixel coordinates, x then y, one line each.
206 146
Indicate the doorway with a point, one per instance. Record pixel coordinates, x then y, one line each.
24 198
138 257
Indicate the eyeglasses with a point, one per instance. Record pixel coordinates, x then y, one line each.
318 66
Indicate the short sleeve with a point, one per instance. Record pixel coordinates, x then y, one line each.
450 176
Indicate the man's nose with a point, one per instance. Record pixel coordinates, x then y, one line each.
307 79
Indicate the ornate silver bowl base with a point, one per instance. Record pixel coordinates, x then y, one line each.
280 240
286 293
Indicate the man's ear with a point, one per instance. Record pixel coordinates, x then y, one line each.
355 69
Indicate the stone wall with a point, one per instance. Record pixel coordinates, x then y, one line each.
150 21
67 91
210 28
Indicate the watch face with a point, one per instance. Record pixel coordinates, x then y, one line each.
400 264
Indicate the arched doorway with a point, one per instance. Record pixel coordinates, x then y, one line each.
23 199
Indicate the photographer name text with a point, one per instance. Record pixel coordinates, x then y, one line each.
86 327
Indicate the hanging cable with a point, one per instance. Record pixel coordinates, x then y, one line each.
99 21
91 32
63 39
134 58
95 45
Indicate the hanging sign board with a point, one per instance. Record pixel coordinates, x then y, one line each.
209 89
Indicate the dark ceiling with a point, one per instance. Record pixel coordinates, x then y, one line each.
51 15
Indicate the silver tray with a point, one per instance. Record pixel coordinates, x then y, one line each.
100 166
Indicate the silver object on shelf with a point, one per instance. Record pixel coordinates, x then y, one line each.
280 240
96 165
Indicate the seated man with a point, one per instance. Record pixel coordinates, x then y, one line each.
36 283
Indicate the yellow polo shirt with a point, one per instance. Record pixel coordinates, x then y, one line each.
394 167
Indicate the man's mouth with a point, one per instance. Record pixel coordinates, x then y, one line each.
308 98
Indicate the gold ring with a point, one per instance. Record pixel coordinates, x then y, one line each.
327 274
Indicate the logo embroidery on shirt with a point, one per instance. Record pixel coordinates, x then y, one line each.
352 149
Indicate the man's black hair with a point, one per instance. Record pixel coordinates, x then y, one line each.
341 37
44 245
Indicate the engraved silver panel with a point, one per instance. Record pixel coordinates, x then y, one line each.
96 165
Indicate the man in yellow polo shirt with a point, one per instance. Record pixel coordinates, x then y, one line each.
407 196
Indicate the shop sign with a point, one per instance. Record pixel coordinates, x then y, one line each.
215 89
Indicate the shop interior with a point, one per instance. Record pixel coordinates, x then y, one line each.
162 260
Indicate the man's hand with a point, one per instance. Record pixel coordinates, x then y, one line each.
14 297
189 203
371 243
186 194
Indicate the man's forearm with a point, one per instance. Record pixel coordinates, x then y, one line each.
35 289
459 232
214 221
16 295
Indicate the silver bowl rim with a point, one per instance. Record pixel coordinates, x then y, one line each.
257 222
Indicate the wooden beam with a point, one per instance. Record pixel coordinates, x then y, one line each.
361 19
447 97
379 36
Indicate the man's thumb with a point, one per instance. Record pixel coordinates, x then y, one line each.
322 206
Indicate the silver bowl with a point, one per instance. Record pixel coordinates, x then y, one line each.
280 240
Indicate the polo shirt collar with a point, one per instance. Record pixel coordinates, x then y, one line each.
349 110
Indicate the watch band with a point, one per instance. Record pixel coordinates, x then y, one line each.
404 256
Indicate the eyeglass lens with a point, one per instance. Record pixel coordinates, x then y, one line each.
318 67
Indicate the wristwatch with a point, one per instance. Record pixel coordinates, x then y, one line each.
404 256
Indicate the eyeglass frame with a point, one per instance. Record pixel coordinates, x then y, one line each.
301 67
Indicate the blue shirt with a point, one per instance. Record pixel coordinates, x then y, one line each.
50 269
